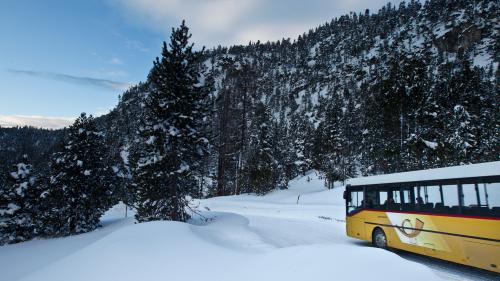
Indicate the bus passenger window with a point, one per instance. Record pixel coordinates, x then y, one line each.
419 193
450 202
394 201
482 189
382 200
426 198
469 195
355 202
370 199
481 199
492 193
432 197
473 203
407 201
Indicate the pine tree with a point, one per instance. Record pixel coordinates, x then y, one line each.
302 143
283 154
225 120
350 128
489 123
373 139
82 185
123 179
464 105
19 204
172 144
261 169
332 142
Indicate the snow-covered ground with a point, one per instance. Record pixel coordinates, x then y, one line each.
294 234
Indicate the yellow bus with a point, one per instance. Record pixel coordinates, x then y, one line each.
447 213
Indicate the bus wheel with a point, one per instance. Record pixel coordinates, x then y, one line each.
379 239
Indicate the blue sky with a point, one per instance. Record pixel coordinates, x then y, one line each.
59 58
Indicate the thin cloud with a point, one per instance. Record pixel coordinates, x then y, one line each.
85 81
35 121
115 61
136 45
113 73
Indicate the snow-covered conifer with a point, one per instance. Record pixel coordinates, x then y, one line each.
19 204
81 184
172 143
261 169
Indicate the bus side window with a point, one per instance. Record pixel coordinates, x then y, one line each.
419 195
426 198
482 190
432 196
382 199
394 202
355 202
408 203
493 197
473 204
450 199
389 199
371 199
469 196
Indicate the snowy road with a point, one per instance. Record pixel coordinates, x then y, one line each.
284 226
318 218
250 238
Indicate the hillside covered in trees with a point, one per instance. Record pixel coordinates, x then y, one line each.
408 87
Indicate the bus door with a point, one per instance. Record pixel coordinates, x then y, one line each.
355 204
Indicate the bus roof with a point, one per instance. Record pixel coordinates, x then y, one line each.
487 169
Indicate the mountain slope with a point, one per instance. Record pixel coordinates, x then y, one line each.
410 87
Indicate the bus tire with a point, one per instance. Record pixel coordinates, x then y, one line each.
379 239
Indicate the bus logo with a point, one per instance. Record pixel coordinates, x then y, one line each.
410 231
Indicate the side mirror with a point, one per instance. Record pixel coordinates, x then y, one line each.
346 196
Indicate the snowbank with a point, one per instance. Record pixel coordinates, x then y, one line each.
177 251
